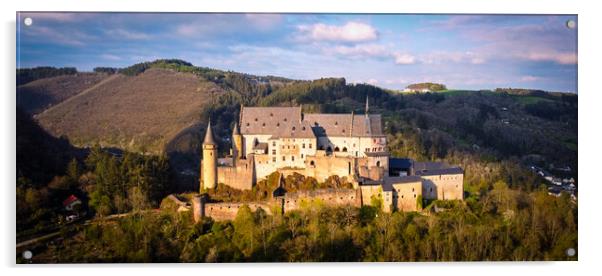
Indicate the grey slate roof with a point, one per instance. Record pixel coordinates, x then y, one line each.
345 124
289 122
390 181
435 168
209 136
400 163
281 122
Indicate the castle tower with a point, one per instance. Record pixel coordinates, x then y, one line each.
209 167
237 143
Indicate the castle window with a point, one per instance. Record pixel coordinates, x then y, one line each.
414 195
293 128
274 152
367 149
303 145
378 165
248 124
312 163
343 130
303 128
278 124
274 159
293 158
271 114
337 149
412 189
255 119
401 196
310 145
344 149
285 119
283 158
263 125
336 123
274 143
302 158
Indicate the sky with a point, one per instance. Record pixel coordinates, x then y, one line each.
386 50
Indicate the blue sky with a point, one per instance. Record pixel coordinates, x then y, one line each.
391 51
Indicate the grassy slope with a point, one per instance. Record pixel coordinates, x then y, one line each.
36 96
140 113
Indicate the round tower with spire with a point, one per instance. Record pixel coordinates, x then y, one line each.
209 167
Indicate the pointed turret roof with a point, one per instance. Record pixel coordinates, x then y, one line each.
209 136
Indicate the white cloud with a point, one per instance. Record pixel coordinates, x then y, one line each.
404 59
551 55
359 50
350 32
372 81
131 35
110 57
529 78
440 57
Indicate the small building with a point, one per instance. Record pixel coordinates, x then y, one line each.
71 202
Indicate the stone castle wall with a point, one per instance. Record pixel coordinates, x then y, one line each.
292 201
332 197
227 210
239 177
443 187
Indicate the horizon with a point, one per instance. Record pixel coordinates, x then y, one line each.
493 51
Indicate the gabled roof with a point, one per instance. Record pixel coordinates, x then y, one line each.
280 122
290 122
435 168
345 124
70 199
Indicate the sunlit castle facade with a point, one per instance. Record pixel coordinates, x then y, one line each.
351 146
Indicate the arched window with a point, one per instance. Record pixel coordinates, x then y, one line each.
312 163
344 149
378 163
336 149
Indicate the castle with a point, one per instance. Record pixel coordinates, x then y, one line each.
351 146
